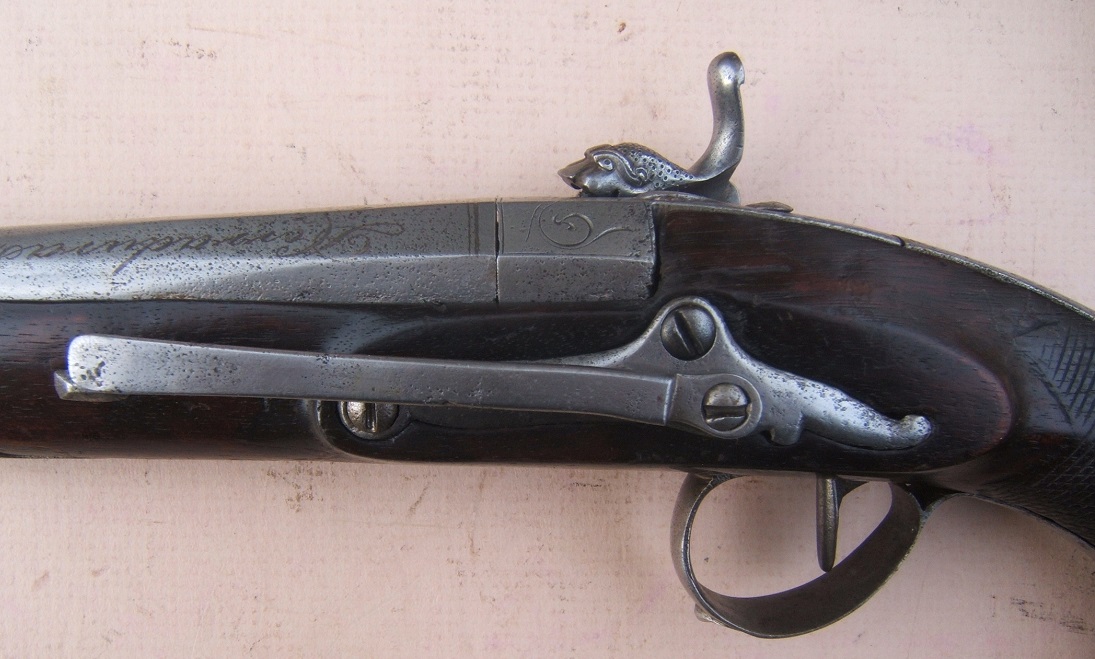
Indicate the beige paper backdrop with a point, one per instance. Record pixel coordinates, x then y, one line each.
967 125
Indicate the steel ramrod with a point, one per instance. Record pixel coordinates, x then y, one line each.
651 321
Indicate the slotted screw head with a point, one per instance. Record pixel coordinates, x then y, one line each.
725 407
688 332
367 420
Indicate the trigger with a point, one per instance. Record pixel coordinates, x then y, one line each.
826 599
830 492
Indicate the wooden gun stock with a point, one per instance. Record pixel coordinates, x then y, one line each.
1000 367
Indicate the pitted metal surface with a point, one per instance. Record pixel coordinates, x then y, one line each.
722 393
567 249
444 253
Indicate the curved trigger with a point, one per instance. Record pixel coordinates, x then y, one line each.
813 605
831 490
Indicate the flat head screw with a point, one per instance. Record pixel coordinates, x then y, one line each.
368 420
725 407
688 332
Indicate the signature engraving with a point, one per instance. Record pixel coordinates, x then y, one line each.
301 237
569 229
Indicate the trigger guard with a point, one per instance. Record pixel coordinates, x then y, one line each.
812 605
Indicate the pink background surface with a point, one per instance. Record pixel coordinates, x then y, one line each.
967 125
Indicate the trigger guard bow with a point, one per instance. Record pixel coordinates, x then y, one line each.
812 605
